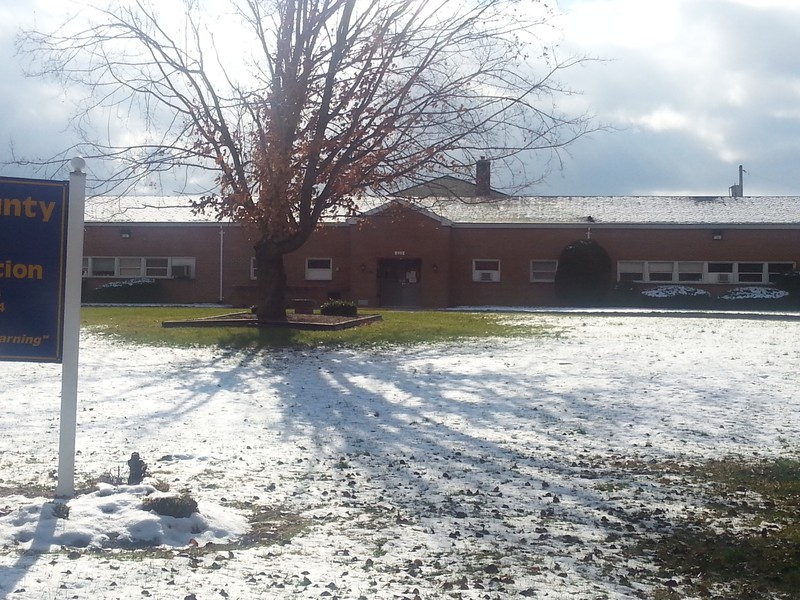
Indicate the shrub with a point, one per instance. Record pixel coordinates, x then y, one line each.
171 506
789 282
137 290
339 308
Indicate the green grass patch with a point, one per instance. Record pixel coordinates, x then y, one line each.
745 543
142 325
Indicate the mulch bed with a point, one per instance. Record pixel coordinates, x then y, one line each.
293 321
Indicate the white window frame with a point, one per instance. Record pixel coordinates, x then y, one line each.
485 274
543 271
317 273
634 270
731 272
90 267
661 271
131 267
690 271
157 267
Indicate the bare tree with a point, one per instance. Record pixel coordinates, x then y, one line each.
308 103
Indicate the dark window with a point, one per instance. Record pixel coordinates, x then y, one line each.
720 267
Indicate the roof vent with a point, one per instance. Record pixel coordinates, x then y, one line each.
737 189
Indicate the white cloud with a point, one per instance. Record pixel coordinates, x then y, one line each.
624 23
691 88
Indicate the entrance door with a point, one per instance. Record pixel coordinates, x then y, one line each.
399 282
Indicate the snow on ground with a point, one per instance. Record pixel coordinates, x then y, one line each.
488 469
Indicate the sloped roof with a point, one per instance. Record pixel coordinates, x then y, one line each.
623 210
143 209
544 210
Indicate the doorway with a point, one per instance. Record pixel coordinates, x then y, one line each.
399 282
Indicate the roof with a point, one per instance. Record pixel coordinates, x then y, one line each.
534 210
143 209
623 210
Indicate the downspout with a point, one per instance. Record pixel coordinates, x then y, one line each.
221 263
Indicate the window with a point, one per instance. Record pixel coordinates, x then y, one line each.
660 271
486 270
253 268
701 272
137 266
690 271
543 270
751 272
319 269
130 267
776 269
156 267
630 271
102 267
720 267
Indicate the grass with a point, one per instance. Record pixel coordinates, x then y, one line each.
142 325
745 543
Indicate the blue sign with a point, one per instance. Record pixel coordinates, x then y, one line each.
33 242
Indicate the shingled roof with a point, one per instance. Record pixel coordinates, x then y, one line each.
529 210
624 210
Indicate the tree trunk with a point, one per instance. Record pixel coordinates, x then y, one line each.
271 284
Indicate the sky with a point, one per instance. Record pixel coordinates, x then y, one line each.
685 91
498 468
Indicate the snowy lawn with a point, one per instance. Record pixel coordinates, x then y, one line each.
491 469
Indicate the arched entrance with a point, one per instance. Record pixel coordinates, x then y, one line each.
584 274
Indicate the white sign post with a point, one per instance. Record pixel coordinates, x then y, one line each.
65 488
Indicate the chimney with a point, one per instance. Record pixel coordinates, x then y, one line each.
483 176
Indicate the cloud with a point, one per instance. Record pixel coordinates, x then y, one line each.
690 89
712 82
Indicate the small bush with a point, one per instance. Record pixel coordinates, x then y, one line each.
171 506
339 308
789 282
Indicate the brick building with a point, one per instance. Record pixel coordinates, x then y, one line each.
447 251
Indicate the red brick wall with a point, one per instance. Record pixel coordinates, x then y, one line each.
199 241
445 254
400 233
326 242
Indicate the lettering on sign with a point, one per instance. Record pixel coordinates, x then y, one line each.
26 209
33 220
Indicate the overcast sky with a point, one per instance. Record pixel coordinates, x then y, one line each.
689 90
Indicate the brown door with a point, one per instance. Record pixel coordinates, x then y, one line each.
399 282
